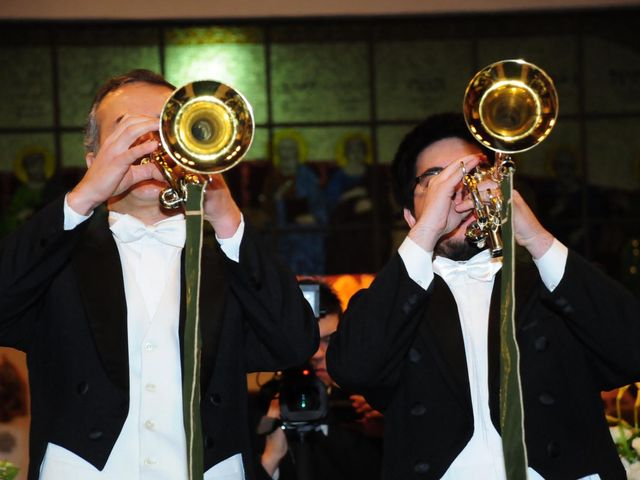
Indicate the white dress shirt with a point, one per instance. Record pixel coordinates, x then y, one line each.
152 443
482 457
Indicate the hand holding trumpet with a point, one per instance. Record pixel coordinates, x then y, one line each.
112 170
486 196
439 206
445 208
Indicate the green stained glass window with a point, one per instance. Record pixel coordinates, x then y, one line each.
389 137
325 144
86 60
28 160
259 147
14 148
26 85
420 77
314 82
234 56
73 150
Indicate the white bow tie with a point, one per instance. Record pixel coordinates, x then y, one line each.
481 267
171 231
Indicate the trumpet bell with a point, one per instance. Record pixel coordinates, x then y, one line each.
510 106
206 127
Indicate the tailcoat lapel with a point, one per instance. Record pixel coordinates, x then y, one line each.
100 279
213 297
441 329
526 278
99 274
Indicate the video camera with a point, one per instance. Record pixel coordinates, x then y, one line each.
304 401
303 398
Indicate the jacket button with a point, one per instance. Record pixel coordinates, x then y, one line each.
553 449
561 302
546 399
421 467
82 388
208 442
406 308
215 399
414 355
564 305
418 409
541 344
95 434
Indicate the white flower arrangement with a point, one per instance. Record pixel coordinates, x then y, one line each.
627 436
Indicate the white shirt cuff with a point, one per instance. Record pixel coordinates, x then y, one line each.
72 218
418 262
552 264
231 246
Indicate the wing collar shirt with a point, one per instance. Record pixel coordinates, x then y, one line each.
152 444
482 457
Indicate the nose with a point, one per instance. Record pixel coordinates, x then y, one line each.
320 353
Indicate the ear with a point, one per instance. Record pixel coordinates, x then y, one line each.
408 217
89 158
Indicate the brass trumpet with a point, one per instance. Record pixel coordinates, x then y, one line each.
509 107
206 127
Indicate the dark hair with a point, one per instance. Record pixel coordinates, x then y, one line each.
434 128
92 129
329 301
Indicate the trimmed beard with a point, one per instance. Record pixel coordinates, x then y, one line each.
455 249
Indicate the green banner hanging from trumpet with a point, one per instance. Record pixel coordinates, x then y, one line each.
511 408
192 345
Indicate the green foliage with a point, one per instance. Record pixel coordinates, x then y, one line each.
8 471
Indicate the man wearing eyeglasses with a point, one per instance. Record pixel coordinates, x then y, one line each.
422 343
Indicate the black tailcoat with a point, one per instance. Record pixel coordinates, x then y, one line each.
402 347
62 301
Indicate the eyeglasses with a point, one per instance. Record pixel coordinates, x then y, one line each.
423 178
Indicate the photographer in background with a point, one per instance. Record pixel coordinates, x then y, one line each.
345 445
